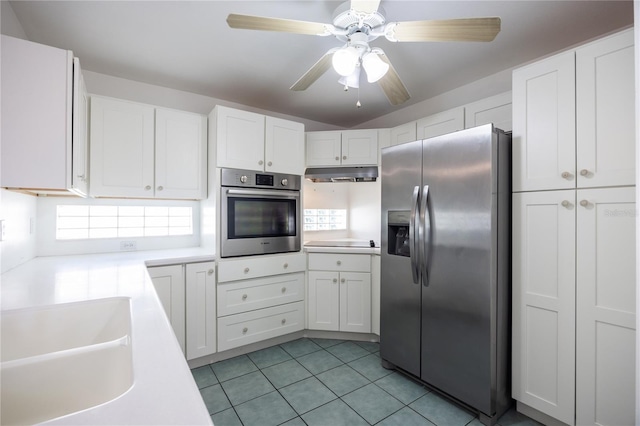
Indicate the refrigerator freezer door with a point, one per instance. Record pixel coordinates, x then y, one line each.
400 312
457 332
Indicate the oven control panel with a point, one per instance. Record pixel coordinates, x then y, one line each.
253 179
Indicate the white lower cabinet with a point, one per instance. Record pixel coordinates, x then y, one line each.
200 309
574 304
339 292
169 283
259 298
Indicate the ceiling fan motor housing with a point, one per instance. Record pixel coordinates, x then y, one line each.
353 22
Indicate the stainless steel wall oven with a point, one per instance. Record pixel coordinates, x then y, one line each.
259 213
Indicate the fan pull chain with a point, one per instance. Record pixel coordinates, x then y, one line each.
358 104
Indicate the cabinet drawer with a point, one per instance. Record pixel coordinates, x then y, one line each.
340 262
250 327
248 295
260 266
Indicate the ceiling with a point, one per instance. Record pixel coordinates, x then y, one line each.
187 45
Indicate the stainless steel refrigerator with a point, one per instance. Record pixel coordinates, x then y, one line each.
445 265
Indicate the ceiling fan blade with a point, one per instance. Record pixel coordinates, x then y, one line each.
314 73
391 84
469 29
248 22
365 6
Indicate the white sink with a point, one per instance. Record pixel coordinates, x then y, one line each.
59 359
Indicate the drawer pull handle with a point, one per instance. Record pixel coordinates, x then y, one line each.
284 289
244 330
342 280
244 297
246 270
210 271
286 265
339 262
335 280
284 320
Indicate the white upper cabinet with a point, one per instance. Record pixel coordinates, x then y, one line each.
574 118
440 124
404 133
495 109
181 160
246 140
284 146
39 155
544 135
143 152
342 148
606 112
80 136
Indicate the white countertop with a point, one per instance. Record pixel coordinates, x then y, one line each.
164 391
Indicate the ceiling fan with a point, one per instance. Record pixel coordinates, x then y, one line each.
358 22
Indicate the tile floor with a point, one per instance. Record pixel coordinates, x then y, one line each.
324 382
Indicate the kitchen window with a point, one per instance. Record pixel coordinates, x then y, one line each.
325 219
102 221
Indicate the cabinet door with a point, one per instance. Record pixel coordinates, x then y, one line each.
404 133
169 284
284 146
181 160
80 139
440 124
200 309
324 301
605 82
544 286
323 148
360 147
544 135
36 115
239 139
122 148
606 307
355 302
496 110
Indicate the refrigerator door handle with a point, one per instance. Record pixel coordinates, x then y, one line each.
425 222
413 236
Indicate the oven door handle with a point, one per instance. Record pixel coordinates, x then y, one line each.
264 192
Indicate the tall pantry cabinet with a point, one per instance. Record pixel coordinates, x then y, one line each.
574 235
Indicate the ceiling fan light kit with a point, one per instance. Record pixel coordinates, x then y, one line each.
358 22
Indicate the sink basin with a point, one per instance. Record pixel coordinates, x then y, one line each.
59 359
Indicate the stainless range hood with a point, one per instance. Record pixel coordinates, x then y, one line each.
342 174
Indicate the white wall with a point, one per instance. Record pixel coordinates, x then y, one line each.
19 213
9 24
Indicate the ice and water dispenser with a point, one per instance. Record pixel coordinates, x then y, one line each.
398 232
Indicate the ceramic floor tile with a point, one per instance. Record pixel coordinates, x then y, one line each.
215 399
335 413
233 367
319 361
405 417
441 411
300 347
204 376
372 347
348 351
402 387
306 395
342 380
268 410
269 356
325 343
247 387
294 422
513 418
372 403
286 373
370 367
227 417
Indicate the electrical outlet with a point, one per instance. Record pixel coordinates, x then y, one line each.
128 245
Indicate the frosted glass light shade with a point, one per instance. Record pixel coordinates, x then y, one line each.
352 80
345 60
375 67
